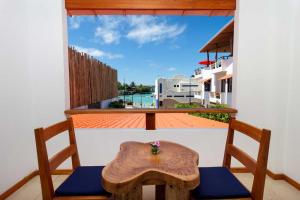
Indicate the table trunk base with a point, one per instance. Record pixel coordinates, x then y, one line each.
173 193
160 192
136 194
170 192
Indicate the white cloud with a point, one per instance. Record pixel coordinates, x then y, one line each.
75 21
171 69
107 36
108 32
141 29
152 29
98 53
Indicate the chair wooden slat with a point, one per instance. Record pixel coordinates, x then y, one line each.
243 157
246 129
56 129
257 167
61 156
47 167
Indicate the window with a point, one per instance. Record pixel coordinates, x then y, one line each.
207 86
178 95
229 85
189 85
223 85
160 103
174 85
177 85
189 96
160 88
169 96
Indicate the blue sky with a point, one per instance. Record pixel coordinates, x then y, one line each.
143 48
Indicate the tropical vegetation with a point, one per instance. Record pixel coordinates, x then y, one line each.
133 88
221 117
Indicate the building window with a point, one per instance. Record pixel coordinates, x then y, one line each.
178 95
177 85
189 96
169 96
207 86
160 88
229 85
223 85
174 85
189 85
160 103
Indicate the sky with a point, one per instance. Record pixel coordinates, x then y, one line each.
143 48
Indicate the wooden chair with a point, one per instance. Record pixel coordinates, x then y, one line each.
220 183
83 183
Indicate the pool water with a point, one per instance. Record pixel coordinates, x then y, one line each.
146 100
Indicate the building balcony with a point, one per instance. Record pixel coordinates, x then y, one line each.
215 97
220 66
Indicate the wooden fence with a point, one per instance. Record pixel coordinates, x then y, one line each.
91 81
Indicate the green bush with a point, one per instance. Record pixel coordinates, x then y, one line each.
130 103
221 117
185 105
116 104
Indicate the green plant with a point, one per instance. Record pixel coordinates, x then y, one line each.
116 104
185 105
221 117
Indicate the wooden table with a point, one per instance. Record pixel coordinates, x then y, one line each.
174 171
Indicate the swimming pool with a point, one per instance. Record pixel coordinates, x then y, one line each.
146 100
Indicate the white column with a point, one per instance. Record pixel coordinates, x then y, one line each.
226 92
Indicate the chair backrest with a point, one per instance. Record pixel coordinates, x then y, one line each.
46 165
257 167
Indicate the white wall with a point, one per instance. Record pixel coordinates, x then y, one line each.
267 87
292 141
32 84
100 146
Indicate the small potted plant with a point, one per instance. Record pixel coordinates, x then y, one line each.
155 147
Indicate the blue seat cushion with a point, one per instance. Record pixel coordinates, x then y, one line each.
83 181
219 183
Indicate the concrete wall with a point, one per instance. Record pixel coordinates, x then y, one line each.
292 141
99 146
32 84
266 84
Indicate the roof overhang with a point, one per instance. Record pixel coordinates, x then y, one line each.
205 80
222 41
151 7
227 76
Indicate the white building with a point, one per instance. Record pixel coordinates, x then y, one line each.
216 78
179 88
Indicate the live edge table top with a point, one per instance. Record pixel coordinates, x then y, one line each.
135 165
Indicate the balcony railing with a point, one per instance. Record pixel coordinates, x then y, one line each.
198 71
216 65
150 113
216 95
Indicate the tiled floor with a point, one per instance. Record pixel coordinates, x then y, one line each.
274 190
133 120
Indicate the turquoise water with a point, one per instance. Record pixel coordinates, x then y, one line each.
147 100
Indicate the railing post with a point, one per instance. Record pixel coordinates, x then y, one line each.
150 121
